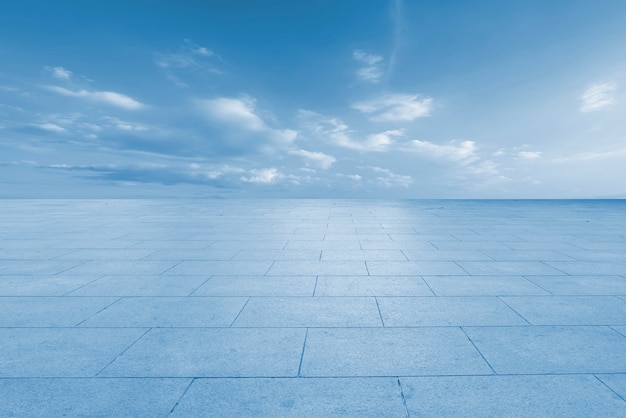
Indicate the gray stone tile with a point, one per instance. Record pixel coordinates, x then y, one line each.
362 255
469 245
510 396
41 285
445 255
61 352
617 382
31 253
292 255
581 285
120 268
398 245
212 352
596 255
621 330
320 245
309 312
569 310
551 349
291 268
192 254
107 254
257 286
89 397
249 245
412 268
210 268
39 268
482 286
446 311
590 267
141 286
289 397
371 286
173 244
390 352
513 268
49 311
527 255
169 312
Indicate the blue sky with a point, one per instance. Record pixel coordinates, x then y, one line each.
324 98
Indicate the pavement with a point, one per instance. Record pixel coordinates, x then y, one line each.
312 308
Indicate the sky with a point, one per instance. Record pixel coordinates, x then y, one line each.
313 98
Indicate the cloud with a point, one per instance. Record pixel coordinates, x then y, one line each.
59 72
51 127
189 57
597 97
108 97
382 141
325 161
529 155
464 151
387 178
241 114
396 107
262 176
370 69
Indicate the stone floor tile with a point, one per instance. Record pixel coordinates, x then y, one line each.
309 312
141 286
551 349
445 255
210 268
446 311
290 268
89 397
371 286
49 311
581 285
169 312
390 352
289 397
192 254
257 286
272 255
42 285
362 255
527 255
212 352
36 268
510 396
61 352
604 268
120 268
412 268
482 286
617 383
111 254
569 310
516 268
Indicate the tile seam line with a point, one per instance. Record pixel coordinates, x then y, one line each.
101 310
607 386
477 350
123 352
191 294
193 379
513 309
406 408
306 335
239 313
380 315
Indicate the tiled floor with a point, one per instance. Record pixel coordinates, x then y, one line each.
312 308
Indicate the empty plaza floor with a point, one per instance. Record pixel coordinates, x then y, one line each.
312 308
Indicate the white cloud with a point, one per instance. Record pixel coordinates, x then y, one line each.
262 176
388 178
382 141
324 161
241 113
51 127
189 57
370 70
529 155
598 96
464 151
109 97
396 107
60 73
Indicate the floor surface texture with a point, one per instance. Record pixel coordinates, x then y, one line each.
314 308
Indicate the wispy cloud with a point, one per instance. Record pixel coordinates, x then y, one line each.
395 107
51 127
241 114
598 96
189 57
388 178
324 161
370 66
397 13
59 72
383 140
262 176
464 151
108 97
529 155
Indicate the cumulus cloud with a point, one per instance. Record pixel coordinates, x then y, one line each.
464 151
598 96
262 176
108 97
241 113
396 107
383 140
59 72
370 66
324 161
